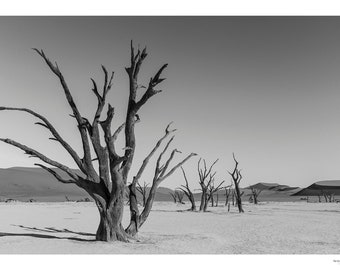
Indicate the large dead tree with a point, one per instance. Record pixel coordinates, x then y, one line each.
161 172
106 185
237 177
187 191
206 177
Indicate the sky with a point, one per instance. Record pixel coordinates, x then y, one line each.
265 88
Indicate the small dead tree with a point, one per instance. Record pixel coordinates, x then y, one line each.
212 190
319 198
143 191
255 193
237 177
174 197
161 172
107 184
227 194
206 176
180 196
187 191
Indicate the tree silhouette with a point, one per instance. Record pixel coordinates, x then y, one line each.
106 185
237 177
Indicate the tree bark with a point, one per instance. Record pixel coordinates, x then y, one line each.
110 227
203 200
136 223
238 199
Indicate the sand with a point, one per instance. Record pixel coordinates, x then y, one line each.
267 228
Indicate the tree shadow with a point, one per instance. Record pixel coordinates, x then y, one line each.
54 230
47 236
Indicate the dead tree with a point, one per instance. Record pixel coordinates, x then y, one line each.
237 177
325 196
187 191
180 196
227 194
206 176
143 191
161 172
255 193
212 190
174 197
107 184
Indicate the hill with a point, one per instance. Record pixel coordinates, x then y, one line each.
22 183
320 188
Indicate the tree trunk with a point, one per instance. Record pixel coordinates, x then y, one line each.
193 205
217 199
212 200
192 200
139 220
238 199
255 199
205 206
203 200
133 227
110 227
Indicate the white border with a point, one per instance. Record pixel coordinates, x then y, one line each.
170 7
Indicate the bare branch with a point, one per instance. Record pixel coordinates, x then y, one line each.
53 131
80 120
148 157
55 174
42 157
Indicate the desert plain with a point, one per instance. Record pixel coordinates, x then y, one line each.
267 228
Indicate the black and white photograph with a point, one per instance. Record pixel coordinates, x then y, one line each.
170 135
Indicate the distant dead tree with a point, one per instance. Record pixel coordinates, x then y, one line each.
180 196
319 197
174 196
228 191
212 190
237 177
206 176
143 191
162 171
187 191
330 197
107 184
255 194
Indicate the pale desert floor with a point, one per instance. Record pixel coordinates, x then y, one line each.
268 228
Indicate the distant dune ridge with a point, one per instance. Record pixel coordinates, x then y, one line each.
320 188
25 183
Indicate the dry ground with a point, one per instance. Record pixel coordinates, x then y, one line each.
268 228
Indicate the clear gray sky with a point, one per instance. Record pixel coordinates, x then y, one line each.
266 88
